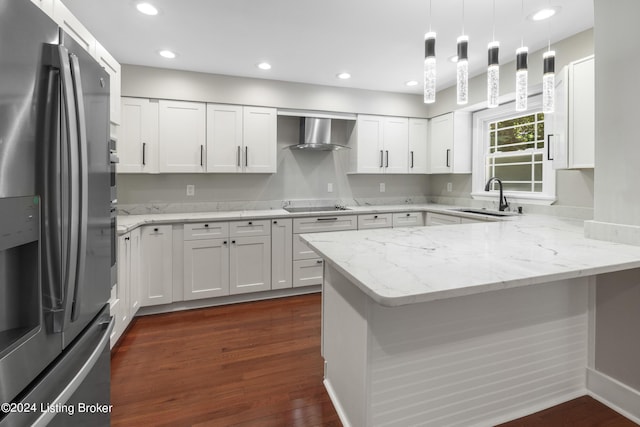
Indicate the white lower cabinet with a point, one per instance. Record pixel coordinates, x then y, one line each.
206 268
125 295
384 220
134 272
441 219
307 272
226 258
250 264
408 219
156 271
281 253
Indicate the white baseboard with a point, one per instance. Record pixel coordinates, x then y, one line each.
614 394
336 403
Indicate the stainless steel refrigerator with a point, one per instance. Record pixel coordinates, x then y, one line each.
55 228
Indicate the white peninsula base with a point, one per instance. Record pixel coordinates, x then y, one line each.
474 360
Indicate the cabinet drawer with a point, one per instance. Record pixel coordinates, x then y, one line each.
206 230
374 221
252 227
408 219
440 219
307 272
301 250
325 223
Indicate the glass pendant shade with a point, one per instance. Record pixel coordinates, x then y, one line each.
548 82
493 75
522 77
430 68
462 71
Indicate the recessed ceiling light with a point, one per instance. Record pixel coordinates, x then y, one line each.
544 14
344 76
167 54
147 9
411 83
453 58
264 66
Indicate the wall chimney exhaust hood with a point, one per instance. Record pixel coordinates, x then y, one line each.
315 135
315 130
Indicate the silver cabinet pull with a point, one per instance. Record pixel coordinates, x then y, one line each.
201 155
246 156
412 160
381 158
144 154
448 152
238 155
549 146
327 219
387 164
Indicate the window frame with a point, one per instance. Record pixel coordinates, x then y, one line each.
481 120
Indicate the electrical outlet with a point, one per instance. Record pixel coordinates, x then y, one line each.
330 187
449 187
383 187
191 190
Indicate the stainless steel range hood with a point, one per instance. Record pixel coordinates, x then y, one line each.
315 135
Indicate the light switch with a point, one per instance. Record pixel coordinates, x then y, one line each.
330 187
191 190
383 187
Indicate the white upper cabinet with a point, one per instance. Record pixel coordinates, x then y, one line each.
224 138
418 134
72 26
112 67
381 145
450 143
241 139
260 139
571 130
138 143
181 136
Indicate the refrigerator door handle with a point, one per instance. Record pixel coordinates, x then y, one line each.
71 192
79 377
83 175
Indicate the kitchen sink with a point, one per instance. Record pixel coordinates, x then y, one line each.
485 212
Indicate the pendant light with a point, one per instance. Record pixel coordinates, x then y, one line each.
522 74
493 70
548 76
548 82
430 64
462 66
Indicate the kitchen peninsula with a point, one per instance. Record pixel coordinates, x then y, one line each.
470 324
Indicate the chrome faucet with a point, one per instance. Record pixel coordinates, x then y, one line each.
503 204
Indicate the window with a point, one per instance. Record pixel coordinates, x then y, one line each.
516 152
512 147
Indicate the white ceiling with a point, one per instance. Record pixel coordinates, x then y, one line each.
380 42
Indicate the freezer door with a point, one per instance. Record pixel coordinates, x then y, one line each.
74 390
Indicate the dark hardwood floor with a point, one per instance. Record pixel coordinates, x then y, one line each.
252 364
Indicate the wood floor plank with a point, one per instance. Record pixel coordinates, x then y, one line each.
252 365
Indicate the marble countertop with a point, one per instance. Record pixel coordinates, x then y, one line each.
409 265
126 223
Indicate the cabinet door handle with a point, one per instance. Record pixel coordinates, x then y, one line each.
238 156
206 225
224 243
127 238
448 152
375 217
250 223
201 155
412 160
246 156
549 146
144 154
387 164
319 261
275 222
327 219
381 158
408 214
155 230
233 241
